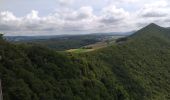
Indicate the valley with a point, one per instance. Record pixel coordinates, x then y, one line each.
136 67
98 45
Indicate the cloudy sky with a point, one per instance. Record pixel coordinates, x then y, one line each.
45 17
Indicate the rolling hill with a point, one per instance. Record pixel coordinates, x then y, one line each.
136 68
64 42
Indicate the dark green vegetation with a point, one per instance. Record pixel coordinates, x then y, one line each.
135 69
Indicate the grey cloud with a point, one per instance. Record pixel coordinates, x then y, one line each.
157 9
113 15
154 14
65 2
110 20
167 19
5 27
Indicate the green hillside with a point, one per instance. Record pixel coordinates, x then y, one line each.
136 69
144 57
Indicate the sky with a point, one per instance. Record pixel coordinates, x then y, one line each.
54 17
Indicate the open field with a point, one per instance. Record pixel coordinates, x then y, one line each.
95 46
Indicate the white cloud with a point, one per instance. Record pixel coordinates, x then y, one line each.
65 2
85 12
7 16
128 1
111 17
33 15
157 4
74 15
111 14
157 9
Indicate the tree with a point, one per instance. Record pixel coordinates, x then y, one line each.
1 35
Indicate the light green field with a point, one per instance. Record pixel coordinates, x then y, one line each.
95 46
80 50
89 48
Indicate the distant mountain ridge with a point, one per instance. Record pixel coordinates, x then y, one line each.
29 38
62 42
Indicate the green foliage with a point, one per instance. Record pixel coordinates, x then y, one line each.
1 36
137 69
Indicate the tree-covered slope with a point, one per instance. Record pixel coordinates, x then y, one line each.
144 57
36 73
137 69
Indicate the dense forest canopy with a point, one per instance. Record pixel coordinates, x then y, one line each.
137 69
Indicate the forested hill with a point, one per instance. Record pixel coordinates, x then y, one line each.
135 69
143 59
